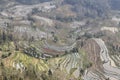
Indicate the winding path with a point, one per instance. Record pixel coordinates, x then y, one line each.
58 48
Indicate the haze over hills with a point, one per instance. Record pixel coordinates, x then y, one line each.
83 8
79 5
115 4
32 1
59 40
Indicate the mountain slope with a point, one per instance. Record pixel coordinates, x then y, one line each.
91 8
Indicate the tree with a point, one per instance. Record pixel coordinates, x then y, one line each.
74 50
35 10
55 39
50 72
88 35
82 71
16 46
4 36
31 39
108 79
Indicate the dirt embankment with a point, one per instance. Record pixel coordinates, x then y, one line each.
92 50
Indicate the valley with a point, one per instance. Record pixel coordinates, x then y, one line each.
59 40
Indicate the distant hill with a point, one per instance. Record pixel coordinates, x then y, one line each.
90 8
83 8
31 1
115 4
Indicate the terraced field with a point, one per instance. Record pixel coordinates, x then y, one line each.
20 58
68 62
71 63
110 71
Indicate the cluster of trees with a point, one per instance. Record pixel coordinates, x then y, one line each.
94 35
65 19
74 50
5 36
31 51
6 55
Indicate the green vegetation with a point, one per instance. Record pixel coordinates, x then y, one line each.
72 70
85 61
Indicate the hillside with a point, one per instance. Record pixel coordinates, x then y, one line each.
91 8
59 40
